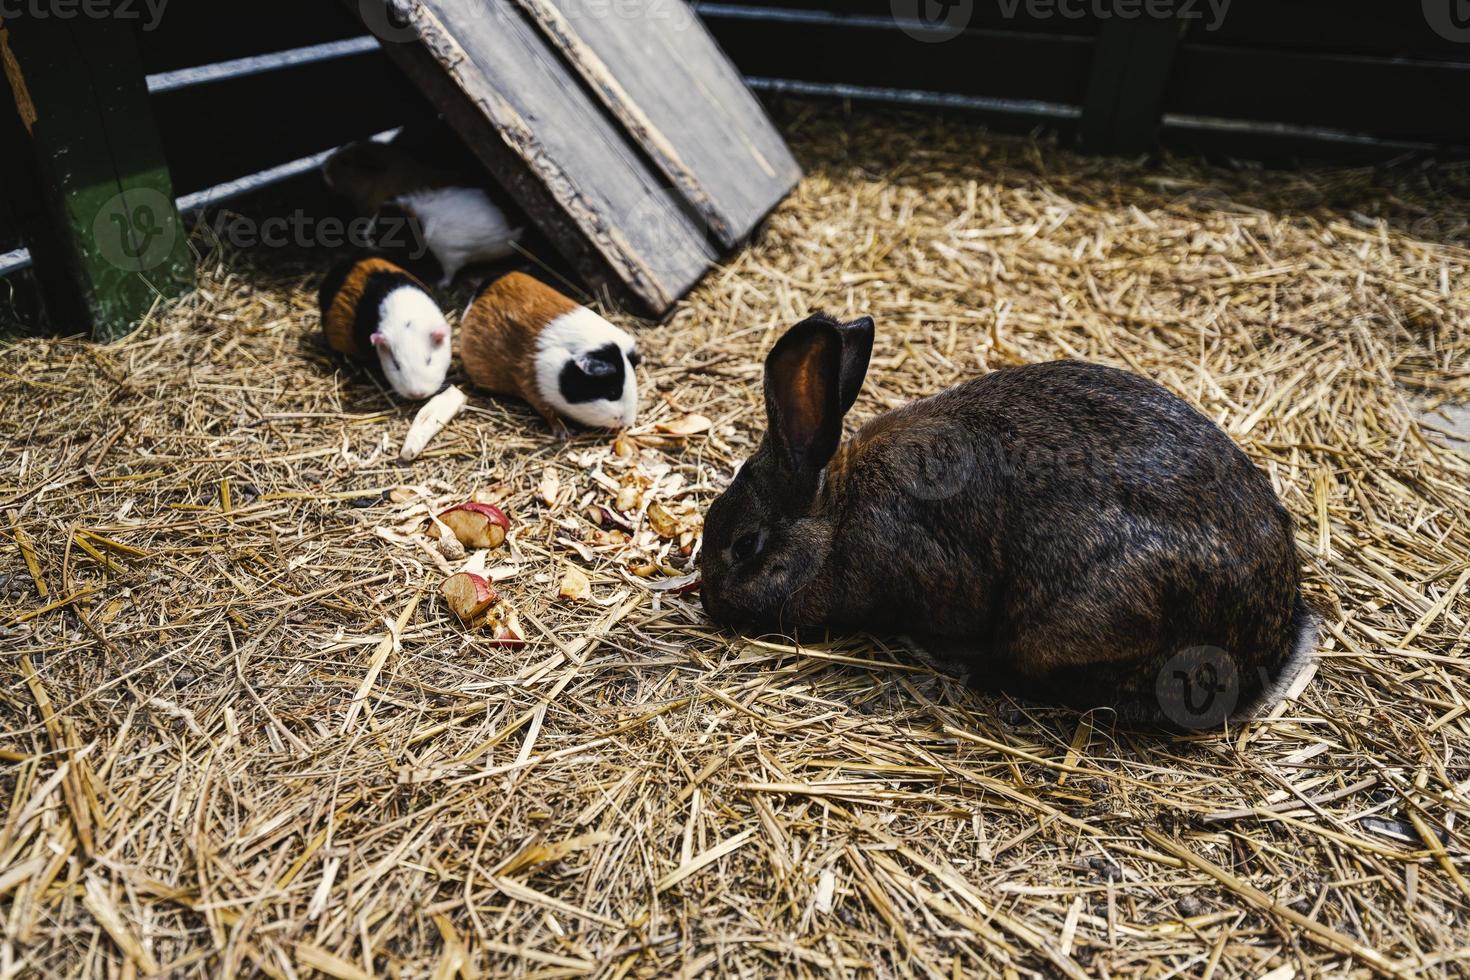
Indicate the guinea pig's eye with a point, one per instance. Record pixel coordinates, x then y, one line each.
747 546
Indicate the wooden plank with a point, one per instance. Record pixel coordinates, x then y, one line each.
22 310
1369 27
1393 98
224 130
187 35
626 199
686 107
1130 76
105 234
530 125
1283 147
1051 68
9 227
885 15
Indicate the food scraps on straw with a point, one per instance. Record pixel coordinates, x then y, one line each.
437 412
476 525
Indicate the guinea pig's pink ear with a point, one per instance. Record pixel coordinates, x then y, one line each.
438 336
379 339
804 395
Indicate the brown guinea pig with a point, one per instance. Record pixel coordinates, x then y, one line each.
369 174
520 337
1076 532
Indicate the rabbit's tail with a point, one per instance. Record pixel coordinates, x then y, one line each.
1296 671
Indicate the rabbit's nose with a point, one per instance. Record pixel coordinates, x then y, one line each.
710 603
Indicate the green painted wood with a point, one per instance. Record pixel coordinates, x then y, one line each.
107 237
1131 67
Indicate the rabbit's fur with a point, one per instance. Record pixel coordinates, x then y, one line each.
1077 532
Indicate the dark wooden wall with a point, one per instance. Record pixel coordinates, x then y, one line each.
1344 79
1330 78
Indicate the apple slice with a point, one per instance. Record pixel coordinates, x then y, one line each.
574 585
663 522
475 525
689 425
506 627
469 596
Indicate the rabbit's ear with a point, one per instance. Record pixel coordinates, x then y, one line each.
804 395
857 348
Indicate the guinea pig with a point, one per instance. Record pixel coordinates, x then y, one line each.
369 174
521 337
460 226
1076 532
372 304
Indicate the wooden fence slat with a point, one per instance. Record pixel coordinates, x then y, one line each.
1051 68
106 237
688 108
224 130
1394 98
560 32
1131 69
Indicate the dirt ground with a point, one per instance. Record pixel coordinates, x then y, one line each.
240 733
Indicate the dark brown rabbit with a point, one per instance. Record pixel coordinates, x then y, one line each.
1077 533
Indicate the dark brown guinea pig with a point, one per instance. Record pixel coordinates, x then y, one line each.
369 174
1075 532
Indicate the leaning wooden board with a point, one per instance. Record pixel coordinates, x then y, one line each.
621 128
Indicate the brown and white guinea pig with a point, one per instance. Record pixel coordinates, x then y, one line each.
459 226
369 174
1076 532
370 304
521 337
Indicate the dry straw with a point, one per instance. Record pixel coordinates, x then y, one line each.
242 735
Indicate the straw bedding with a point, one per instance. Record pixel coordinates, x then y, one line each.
242 735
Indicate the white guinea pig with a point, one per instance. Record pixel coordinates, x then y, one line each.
372 304
459 225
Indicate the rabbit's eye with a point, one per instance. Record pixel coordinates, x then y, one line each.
746 546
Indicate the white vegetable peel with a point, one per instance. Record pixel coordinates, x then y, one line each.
437 412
